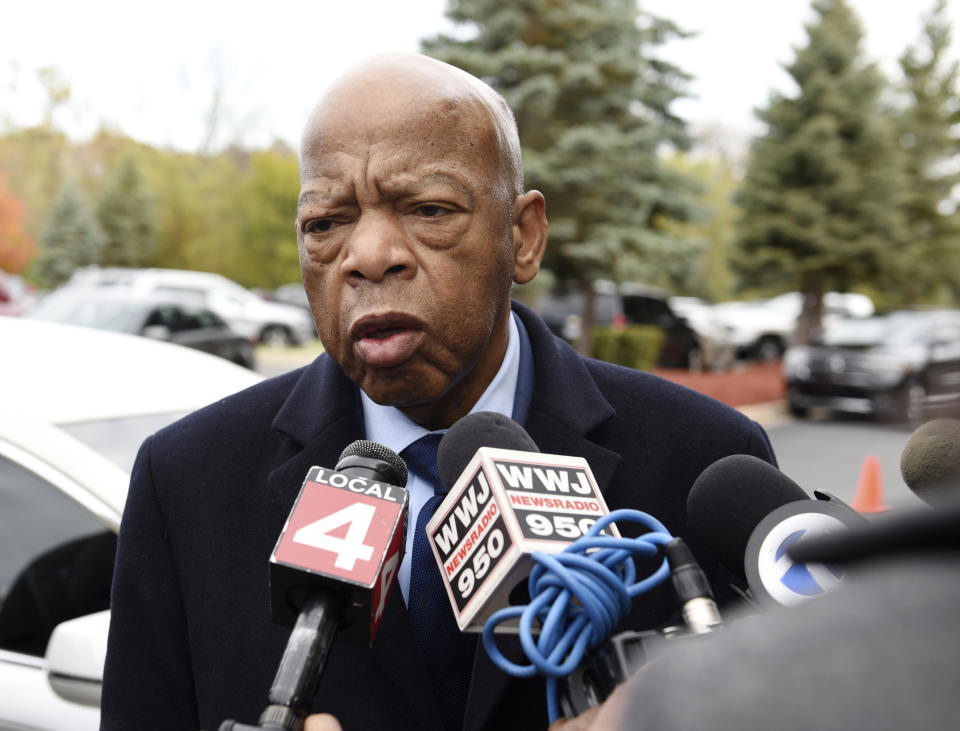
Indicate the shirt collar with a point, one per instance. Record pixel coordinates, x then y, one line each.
390 427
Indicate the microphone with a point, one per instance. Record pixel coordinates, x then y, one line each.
930 461
505 501
750 514
526 545
910 532
332 569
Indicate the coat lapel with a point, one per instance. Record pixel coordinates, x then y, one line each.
319 417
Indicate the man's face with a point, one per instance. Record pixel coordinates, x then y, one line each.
406 249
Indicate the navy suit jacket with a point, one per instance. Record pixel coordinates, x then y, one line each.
191 641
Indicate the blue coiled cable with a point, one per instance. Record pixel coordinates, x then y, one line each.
578 596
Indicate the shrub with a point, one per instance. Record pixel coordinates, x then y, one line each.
635 346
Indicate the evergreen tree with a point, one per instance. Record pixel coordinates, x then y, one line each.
593 110
71 240
929 268
821 196
125 213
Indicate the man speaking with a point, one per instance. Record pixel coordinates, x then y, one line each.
412 225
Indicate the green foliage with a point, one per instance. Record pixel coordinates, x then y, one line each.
231 213
266 204
197 219
928 269
821 197
635 346
710 277
125 213
72 239
35 163
593 109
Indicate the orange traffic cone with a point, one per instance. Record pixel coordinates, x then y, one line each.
869 497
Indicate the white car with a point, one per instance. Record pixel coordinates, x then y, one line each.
764 329
718 350
75 404
274 323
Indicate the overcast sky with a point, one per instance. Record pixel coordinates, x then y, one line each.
150 69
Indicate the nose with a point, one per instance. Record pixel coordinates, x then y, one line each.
377 248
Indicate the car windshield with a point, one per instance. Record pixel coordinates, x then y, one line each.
119 439
74 309
891 330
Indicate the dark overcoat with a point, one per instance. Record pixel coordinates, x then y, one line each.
191 641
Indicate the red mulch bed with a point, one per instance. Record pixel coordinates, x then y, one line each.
746 384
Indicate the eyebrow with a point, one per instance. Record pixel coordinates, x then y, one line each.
442 178
310 196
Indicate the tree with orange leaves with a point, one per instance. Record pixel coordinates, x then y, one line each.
16 247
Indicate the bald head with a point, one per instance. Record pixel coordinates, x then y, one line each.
411 227
408 89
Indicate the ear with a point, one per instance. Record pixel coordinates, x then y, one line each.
529 235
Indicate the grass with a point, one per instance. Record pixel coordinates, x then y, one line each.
300 353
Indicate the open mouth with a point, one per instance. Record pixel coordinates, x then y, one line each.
384 333
388 340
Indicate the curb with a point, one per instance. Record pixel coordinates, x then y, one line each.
769 414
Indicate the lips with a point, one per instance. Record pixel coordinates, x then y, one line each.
386 340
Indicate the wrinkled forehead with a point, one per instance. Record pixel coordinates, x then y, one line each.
421 107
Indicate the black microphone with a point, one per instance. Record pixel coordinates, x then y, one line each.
325 582
930 461
750 513
473 431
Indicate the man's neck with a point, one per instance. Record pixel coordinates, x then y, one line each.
464 393
397 427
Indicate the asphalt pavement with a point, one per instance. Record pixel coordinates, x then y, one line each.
829 454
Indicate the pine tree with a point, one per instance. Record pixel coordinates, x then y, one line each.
72 239
821 196
125 213
929 268
593 110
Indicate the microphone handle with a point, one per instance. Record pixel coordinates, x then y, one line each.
298 674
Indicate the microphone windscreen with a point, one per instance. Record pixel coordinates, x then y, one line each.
729 499
381 462
473 431
930 462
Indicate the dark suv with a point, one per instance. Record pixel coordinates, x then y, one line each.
902 366
630 303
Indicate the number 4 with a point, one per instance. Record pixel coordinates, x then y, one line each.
351 547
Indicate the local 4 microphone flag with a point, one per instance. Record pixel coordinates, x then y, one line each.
504 506
348 532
